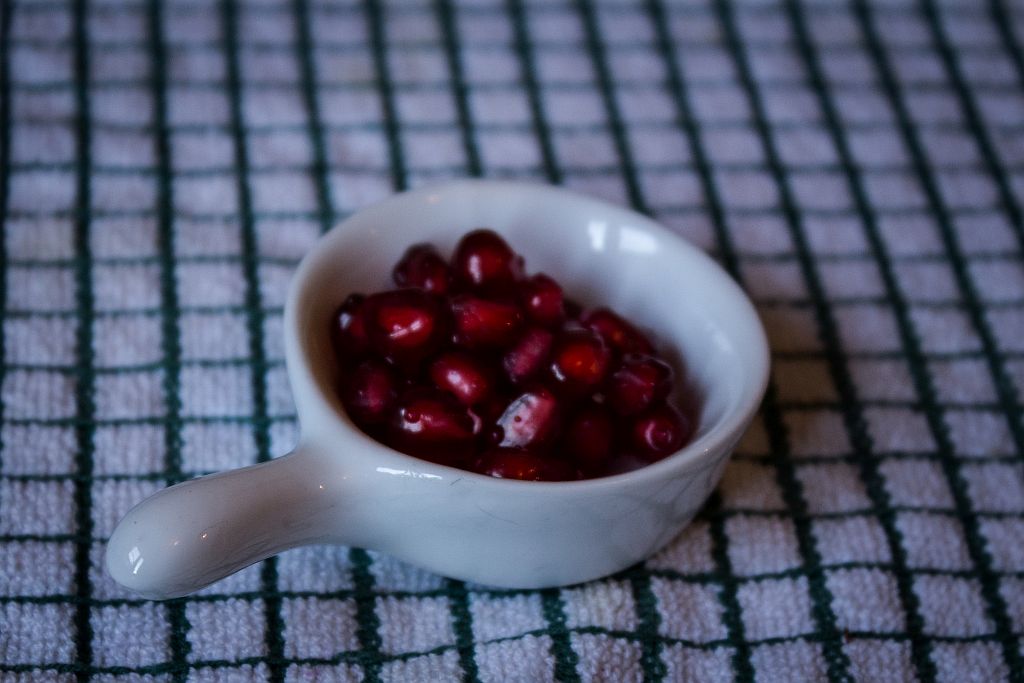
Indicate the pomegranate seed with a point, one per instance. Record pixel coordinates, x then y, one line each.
660 432
531 421
542 300
431 424
463 376
483 259
424 268
586 385
485 323
350 330
589 437
527 357
405 325
618 333
508 463
639 382
370 392
579 361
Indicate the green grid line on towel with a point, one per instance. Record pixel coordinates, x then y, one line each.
177 613
147 242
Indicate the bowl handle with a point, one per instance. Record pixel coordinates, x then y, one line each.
189 535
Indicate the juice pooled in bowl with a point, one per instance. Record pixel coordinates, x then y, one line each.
474 364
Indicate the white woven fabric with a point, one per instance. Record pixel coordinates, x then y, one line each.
158 189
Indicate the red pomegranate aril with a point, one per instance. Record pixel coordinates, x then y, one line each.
590 437
406 325
531 421
659 432
639 382
618 333
351 342
422 267
481 323
484 260
462 375
542 300
524 360
472 364
431 424
579 361
508 463
369 392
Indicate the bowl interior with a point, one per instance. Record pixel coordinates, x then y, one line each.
600 253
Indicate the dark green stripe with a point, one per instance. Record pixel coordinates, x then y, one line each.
274 47
274 628
449 31
5 188
443 85
646 603
663 209
607 86
371 169
512 127
566 660
1004 26
357 657
1009 256
553 608
366 615
805 458
462 626
711 578
793 406
320 169
870 473
427 45
728 595
792 494
112 422
995 606
85 407
1004 383
835 657
709 513
72 261
649 621
840 301
789 404
6 20
973 118
179 625
458 597
434 86
385 85
612 6
367 621
541 128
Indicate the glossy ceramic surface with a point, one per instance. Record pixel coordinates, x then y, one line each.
340 486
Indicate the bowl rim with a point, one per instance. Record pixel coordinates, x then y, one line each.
727 428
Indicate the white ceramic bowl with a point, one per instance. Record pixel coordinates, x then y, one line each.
340 486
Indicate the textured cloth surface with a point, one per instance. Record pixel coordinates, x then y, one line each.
858 167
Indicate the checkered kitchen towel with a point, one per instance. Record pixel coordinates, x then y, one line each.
859 167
